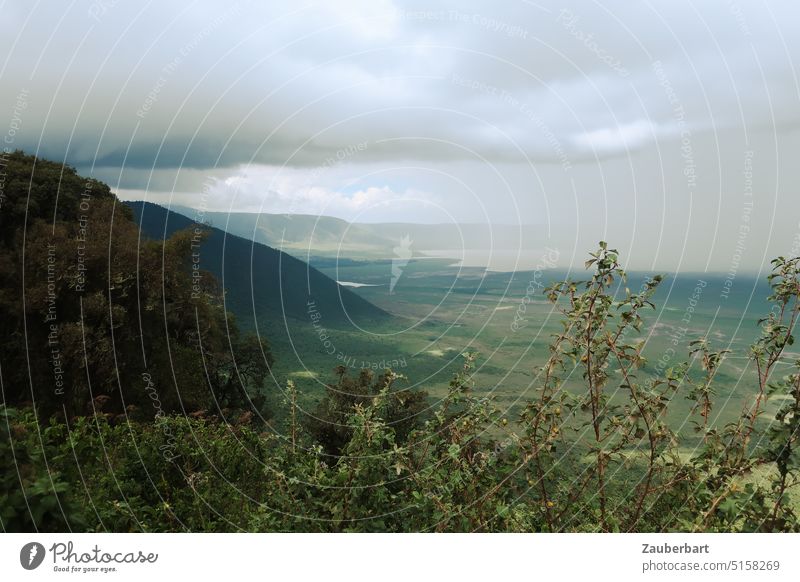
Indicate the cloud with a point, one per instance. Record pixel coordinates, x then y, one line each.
169 86
287 190
610 140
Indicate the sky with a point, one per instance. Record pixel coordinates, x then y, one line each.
669 128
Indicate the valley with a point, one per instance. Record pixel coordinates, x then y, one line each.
418 314
442 310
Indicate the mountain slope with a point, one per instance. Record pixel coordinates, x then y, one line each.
261 281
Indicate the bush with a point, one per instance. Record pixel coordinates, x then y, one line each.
572 462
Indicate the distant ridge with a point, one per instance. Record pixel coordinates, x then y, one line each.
306 234
261 281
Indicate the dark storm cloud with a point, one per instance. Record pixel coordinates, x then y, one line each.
242 83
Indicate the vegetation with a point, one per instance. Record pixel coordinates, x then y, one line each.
372 456
95 320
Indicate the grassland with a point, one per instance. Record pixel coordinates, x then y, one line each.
443 310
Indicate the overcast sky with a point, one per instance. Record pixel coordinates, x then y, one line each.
670 128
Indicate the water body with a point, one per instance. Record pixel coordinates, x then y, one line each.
352 284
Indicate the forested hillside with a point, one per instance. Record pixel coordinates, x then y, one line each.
95 317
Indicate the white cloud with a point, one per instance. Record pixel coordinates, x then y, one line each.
287 190
372 20
611 140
